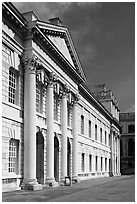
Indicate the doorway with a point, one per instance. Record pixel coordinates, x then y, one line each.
40 157
68 158
56 159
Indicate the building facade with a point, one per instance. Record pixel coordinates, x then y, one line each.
52 126
127 143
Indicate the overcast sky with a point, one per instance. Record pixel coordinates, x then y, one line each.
104 37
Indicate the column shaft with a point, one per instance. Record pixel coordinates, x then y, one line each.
50 134
30 125
75 143
64 138
30 181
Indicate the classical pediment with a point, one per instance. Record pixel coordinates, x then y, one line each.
59 37
61 45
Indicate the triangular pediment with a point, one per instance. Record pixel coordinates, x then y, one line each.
61 39
61 45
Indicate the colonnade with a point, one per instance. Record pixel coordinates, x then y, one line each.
115 154
30 181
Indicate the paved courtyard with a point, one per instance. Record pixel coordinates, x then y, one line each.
112 189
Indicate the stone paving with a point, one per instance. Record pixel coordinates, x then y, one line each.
111 189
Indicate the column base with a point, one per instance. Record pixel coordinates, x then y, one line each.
31 185
75 179
51 182
111 174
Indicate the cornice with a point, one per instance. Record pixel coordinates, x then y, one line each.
13 19
87 94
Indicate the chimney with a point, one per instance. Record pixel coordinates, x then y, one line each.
100 88
56 21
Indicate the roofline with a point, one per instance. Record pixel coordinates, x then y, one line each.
99 105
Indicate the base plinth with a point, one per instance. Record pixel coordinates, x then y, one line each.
51 182
31 185
75 179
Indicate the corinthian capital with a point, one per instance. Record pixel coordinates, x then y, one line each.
76 98
52 78
32 62
66 89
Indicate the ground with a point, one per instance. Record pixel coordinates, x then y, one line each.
111 189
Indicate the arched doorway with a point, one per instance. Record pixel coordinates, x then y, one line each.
56 159
40 158
68 158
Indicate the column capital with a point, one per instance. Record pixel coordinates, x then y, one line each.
76 98
52 79
66 90
31 61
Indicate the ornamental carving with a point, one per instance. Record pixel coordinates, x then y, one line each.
52 79
66 89
76 98
32 61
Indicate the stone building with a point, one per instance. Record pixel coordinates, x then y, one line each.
127 143
52 126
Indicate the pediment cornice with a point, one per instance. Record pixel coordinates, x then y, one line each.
41 31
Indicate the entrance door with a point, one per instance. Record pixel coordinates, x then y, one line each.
40 158
56 159
68 158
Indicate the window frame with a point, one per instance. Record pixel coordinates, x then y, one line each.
13 165
16 73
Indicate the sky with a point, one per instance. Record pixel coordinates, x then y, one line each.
104 37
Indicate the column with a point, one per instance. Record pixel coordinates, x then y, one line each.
75 143
50 133
64 134
119 155
112 154
30 181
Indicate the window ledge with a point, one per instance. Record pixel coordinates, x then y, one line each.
12 105
11 176
40 115
57 122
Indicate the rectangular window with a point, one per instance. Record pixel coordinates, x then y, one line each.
101 163
89 128
105 137
90 162
82 124
68 114
82 162
55 106
96 163
13 156
95 132
8 56
109 140
105 164
12 87
39 99
101 135
131 128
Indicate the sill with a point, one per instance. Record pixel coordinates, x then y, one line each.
40 115
12 105
68 127
11 176
57 122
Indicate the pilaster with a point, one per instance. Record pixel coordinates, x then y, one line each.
75 140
